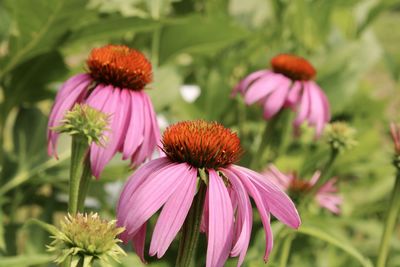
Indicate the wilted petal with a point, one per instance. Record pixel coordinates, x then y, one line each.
220 232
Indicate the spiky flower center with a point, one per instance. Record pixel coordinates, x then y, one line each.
293 67
120 66
201 144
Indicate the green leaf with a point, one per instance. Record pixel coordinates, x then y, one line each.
39 26
198 35
112 27
45 226
25 260
30 79
333 240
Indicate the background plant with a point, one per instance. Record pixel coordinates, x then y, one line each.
210 44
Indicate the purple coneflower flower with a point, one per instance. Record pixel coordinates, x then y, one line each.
289 84
114 85
326 196
171 182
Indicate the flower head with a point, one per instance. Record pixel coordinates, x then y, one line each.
85 121
340 136
170 183
117 75
326 197
289 84
120 66
87 238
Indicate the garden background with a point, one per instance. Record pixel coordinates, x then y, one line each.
199 50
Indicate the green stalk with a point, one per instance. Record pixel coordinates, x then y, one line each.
79 149
191 227
287 245
84 184
390 224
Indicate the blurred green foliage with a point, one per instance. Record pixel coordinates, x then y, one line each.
211 44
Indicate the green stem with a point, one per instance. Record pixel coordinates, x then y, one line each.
390 223
84 184
79 150
191 227
287 245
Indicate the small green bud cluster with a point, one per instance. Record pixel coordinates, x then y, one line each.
85 121
85 238
340 136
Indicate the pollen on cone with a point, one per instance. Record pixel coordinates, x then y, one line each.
120 66
201 144
293 67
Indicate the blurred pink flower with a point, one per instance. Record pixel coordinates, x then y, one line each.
289 84
170 183
395 132
326 197
114 85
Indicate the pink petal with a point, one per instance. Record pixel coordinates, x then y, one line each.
263 87
220 232
205 217
135 131
315 177
72 92
244 218
293 97
261 206
72 83
148 145
244 84
304 108
325 103
135 181
281 180
138 242
118 107
316 116
280 205
173 214
276 99
153 193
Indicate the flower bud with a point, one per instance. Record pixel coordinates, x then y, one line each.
85 121
86 238
340 136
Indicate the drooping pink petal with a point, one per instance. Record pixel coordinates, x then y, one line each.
244 84
244 219
263 209
316 116
72 83
118 107
281 180
134 181
325 103
263 87
152 194
204 218
220 232
135 131
173 214
293 97
72 92
138 242
274 102
150 134
280 205
304 108
314 179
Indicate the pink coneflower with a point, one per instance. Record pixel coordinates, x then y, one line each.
114 85
171 182
289 84
326 196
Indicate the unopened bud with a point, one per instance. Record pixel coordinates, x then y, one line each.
340 136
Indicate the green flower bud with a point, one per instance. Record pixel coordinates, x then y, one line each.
85 238
340 136
85 121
